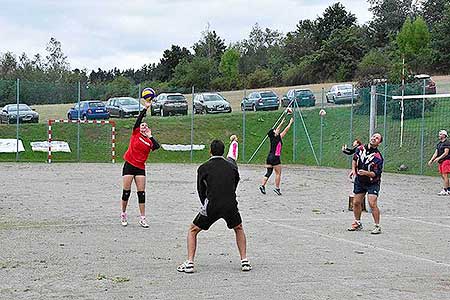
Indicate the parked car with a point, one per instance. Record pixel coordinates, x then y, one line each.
342 93
210 103
430 85
123 107
26 114
88 110
169 104
265 100
303 97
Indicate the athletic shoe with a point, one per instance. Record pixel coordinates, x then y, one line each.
186 267
376 229
124 219
277 191
262 189
356 226
245 265
443 193
143 222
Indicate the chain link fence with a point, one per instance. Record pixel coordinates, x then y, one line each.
314 139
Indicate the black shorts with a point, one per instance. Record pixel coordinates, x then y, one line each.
129 169
273 160
232 218
369 188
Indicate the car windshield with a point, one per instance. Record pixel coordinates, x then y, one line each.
212 97
22 107
303 93
176 98
268 94
96 104
344 87
128 101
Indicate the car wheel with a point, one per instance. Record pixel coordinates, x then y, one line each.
334 100
84 117
242 107
328 100
254 108
162 112
121 114
68 117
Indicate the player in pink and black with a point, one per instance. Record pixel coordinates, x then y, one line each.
367 166
141 143
273 161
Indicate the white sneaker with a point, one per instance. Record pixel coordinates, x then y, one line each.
376 230
245 265
443 193
124 219
186 267
143 222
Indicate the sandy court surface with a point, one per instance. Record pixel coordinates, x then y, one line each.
61 237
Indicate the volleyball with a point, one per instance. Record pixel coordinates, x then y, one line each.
148 94
322 112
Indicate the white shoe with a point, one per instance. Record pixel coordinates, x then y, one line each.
143 222
186 267
124 219
443 193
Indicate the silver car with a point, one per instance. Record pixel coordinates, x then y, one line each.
9 113
123 107
342 93
211 103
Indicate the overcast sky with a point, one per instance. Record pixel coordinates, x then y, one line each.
128 34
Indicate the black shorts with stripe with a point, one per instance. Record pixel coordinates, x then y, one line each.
273 160
232 218
129 169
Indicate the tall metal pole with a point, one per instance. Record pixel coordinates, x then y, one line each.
17 118
321 130
139 97
402 105
373 110
192 124
294 140
422 129
385 120
243 129
78 123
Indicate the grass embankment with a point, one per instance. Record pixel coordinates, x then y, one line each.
95 141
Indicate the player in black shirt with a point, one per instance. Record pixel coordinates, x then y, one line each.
442 157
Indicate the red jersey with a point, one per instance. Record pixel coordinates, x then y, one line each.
138 149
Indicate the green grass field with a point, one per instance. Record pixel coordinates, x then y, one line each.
95 140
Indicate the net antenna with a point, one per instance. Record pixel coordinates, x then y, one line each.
413 97
101 122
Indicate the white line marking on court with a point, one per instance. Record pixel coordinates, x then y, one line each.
424 222
361 244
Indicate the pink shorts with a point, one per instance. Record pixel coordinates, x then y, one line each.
444 167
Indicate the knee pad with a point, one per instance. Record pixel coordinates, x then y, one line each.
141 197
269 172
126 195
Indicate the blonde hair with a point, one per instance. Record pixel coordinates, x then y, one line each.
233 137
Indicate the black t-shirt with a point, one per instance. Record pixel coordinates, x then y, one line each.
275 143
440 147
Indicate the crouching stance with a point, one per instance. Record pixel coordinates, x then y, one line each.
217 180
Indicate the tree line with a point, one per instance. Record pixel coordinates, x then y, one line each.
332 47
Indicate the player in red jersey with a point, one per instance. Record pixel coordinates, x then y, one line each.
141 143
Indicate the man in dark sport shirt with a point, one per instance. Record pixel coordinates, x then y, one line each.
367 165
273 161
141 143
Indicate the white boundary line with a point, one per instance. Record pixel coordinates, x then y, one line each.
361 244
424 222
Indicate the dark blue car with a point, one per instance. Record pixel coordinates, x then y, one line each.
88 110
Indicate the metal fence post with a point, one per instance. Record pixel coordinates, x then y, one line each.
139 97
192 124
321 130
294 140
373 110
385 120
17 118
422 129
243 129
78 123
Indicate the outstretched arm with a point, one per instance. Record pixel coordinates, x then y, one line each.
141 115
287 128
279 125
